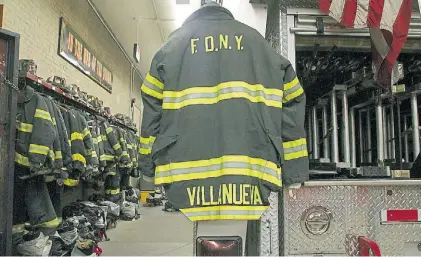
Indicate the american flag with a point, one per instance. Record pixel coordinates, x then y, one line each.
388 22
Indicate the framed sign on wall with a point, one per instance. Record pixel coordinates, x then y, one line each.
74 50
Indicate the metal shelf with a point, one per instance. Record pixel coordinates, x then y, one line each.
40 85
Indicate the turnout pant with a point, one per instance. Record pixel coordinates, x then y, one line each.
40 208
125 178
112 187
32 198
55 195
115 182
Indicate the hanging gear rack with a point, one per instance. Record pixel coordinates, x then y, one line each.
65 98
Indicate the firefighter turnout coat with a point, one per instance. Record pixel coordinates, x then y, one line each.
36 132
223 121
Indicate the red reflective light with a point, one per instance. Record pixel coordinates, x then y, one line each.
402 215
219 246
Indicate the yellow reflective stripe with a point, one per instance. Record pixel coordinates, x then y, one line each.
295 149
296 155
108 130
112 191
125 153
225 208
145 151
218 167
144 140
54 121
76 136
79 157
216 89
99 139
293 83
86 132
122 140
154 81
116 146
71 182
51 154
42 115
292 90
129 146
230 212
151 92
104 137
94 140
38 149
227 96
294 143
224 91
146 144
58 154
52 223
215 161
24 127
92 153
294 95
22 160
106 157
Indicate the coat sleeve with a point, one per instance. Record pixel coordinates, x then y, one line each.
152 94
42 137
95 156
92 158
125 158
64 139
113 139
295 167
55 154
101 151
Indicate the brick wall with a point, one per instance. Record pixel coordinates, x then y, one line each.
37 21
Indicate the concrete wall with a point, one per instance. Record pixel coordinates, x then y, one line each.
37 21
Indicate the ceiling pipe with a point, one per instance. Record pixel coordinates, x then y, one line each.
157 17
114 37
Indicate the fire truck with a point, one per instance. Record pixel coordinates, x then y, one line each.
362 141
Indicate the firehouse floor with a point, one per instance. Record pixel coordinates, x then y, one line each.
155 233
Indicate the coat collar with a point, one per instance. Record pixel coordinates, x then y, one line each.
210 11
25 95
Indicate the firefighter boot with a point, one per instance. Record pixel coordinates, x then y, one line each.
35 244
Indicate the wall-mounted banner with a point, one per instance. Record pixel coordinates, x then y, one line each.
77 52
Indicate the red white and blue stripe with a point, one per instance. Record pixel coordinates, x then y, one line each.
388 21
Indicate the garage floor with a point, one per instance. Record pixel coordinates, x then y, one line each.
155 233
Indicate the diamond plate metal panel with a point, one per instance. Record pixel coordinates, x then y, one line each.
194 237
284 33
295 237
269 230
284 4
356 212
